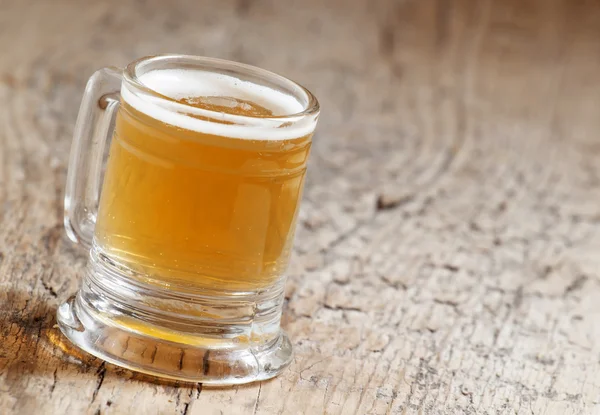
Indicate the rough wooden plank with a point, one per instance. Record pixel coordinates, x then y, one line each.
447 252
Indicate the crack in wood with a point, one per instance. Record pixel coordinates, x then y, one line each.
100 373
576 285
206 363
54 380
255 409
180 363
49 289
342 308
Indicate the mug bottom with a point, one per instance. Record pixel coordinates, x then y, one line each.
212 339
164 358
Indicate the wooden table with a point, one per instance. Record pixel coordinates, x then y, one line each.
447 258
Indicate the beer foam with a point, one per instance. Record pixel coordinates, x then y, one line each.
186 83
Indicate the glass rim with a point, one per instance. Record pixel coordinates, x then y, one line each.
311 108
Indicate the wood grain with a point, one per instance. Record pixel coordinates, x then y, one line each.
446 259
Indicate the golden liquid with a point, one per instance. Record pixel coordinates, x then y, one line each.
179 206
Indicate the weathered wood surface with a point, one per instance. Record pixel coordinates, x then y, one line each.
448 253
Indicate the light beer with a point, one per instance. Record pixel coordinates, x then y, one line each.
202 200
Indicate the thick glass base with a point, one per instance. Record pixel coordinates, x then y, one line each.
216 338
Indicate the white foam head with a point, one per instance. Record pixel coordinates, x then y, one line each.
187 83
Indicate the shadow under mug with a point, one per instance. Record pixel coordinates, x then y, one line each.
191 234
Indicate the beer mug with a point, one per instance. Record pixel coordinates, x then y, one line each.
190 236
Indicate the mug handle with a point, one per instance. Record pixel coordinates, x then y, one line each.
95 123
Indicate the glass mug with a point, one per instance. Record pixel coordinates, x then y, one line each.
191 234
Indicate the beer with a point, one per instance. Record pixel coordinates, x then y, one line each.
193 197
